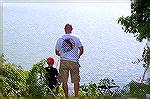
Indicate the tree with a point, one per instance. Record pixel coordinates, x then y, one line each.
138 23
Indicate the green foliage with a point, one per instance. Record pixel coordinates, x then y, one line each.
2 60
89 90
109 82
12 79
36 80
139 21
146 57
138 89
139 24
106 82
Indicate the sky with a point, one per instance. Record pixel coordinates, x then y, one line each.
65 0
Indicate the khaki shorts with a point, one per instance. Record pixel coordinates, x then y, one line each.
65 67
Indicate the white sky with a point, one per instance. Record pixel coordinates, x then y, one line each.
65 1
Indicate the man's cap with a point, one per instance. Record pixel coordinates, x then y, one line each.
50 60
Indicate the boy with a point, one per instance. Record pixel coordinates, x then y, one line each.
52 74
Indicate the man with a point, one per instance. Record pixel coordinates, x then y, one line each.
69 48
52 74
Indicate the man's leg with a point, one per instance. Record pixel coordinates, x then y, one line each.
65 88
76 88
63 76
75 77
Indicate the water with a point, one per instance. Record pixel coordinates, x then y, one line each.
30 32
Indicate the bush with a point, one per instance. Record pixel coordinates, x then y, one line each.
12 79
138 89
36 80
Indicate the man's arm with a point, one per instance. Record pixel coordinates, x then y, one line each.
81 50
57 52
56 73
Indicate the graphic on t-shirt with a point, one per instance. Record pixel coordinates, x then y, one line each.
68 45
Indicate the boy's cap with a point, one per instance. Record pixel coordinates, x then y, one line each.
50 60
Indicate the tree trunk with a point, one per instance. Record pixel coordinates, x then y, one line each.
144 74
147 69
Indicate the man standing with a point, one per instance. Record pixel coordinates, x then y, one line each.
69 48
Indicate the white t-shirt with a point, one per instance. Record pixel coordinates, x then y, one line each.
68 45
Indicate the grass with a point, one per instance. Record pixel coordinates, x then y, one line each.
72 97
